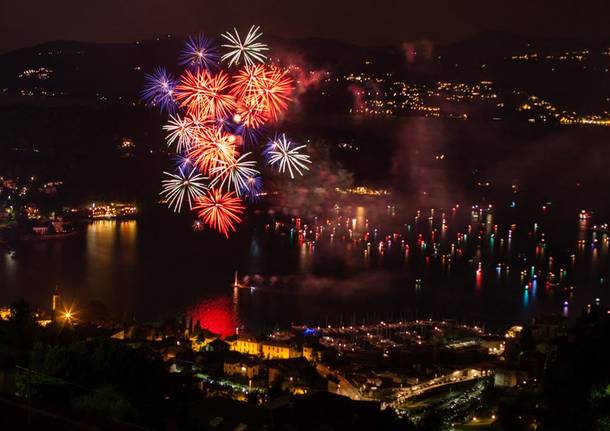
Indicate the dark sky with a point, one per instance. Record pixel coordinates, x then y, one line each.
27 22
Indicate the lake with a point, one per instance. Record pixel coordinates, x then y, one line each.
409 266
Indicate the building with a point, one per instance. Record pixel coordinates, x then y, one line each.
139 332
313 352
309 354
549 327
493 346
216 345
200 342
505 378
292 374
173 352
272 349
247 345
241 366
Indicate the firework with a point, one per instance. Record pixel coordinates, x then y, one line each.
186 184
205 95
247 81
247 51
181 161
234 174
254 188
213 148
159 90
274 92
247 86
280 151
265 89
200 53
183 132
213 116
220 211
251 116
249 126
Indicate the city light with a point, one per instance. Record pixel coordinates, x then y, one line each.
68 315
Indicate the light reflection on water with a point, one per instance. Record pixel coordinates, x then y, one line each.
361 269
97 264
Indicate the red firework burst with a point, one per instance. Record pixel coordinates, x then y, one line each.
220 211
205 95
247 81
275 91
262 92
213 147
252 116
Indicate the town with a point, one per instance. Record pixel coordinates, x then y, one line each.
408 368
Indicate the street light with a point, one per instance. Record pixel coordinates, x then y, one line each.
68 315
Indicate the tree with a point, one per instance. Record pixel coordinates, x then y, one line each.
107 401
577 383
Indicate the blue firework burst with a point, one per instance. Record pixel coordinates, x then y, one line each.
200 53
159 90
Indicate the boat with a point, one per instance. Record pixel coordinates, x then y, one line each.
55 229
48 236
237 284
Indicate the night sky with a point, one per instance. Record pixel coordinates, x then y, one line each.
24 22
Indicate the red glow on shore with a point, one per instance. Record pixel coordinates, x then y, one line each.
216 315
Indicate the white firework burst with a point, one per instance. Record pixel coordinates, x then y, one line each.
185 184
182 132
280 152
234 174
247 50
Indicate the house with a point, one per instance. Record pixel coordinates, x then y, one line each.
247 345
506 378
291 374
241 366
201 342
313 352
216 345
273 349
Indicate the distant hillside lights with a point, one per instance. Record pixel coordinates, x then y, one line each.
384 96
364 191
40 73
127 148
586 120
127 144
562 56
545 111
